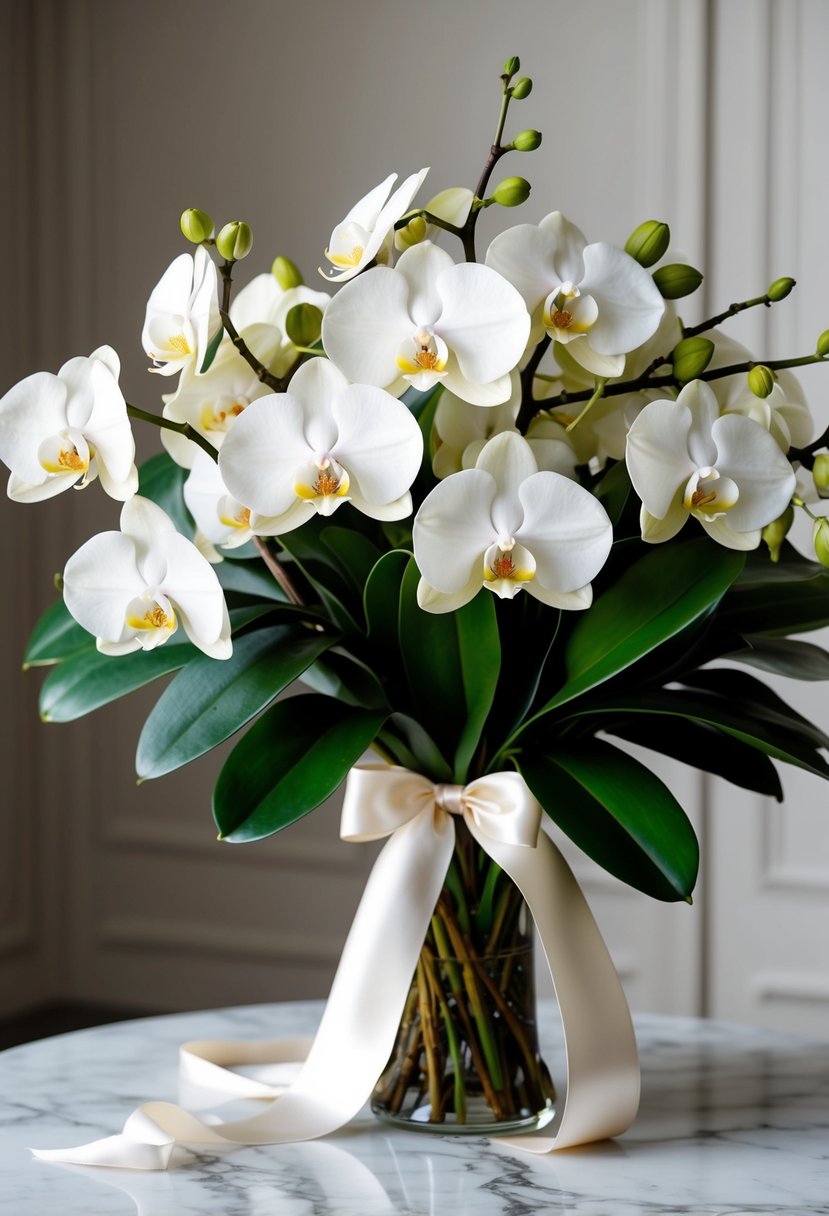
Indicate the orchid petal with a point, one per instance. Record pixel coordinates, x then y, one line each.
110 433
654 530
262 451
570 244
484 321
720 530
146 525
453 529
567 530
432 600
750 456
421 267
508 458
366 210
379 442
630 306
525 256
99 581
657 454
29 412
609 367
22 491
495 393
700 400
570 601
365 324
195 593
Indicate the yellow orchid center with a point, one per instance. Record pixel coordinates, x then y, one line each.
562 319
178 342
154 618
219 415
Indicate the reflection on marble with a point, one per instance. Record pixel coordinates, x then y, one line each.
734 1121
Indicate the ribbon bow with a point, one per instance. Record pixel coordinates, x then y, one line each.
359 1024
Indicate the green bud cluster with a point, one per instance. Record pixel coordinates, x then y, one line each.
820 537
822 347
779 289
521 89
286 273
197 226
761 380
676 280
512 65
820 474
690 358
512 192
649 242
235 241
527 141
303 324
776 532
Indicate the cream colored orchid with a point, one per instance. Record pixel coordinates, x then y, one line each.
323 443
132 589
507 526
429 321
259 313
366 233
220 519
66 430
594 299
784 413
182 317
727 471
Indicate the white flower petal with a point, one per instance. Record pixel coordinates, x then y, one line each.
566 529
432 600
452 205
315 386
453 529
655 531
657 454
99 581
495 393
630 306
196 594
421 267
570 601
401 508
366 210
365 324
609 367
484 321
203 492
52 484
700 400
262 451
570 244
31 411
749 456
108 430
508 458
721 531
525 256
378 441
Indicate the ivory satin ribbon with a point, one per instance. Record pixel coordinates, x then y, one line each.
360 1021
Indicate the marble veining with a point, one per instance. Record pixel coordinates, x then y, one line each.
734 1122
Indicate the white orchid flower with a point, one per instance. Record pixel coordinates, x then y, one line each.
323 443
429 321
595 299
66 430
784 413
132 589
211 403
366 233
182 315
506 526
685 459
220 518
259 313
452 205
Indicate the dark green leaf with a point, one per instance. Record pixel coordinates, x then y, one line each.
321 568
340 675
740 688
410 745
786 603
255 582
703 747
452 662
209 701
55 637
784 657
355 555
212 348
88 680
653 600
289 762
381 599
162 480
614 490
620 814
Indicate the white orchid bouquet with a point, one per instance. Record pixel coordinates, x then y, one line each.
489 510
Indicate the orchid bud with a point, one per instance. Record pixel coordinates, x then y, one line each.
676 280
512 65
820 474
823 344
648 243
821 540
776 532
303 324
690 358
197 226
779 289
761 380
235 241
286 273
512 192
527 141
412 234
522 88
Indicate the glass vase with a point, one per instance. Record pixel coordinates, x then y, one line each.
466 1055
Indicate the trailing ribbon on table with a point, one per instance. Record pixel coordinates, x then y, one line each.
360 1021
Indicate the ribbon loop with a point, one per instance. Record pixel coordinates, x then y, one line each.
450 798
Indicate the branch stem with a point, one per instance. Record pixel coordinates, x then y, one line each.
689 331
181 428
278 571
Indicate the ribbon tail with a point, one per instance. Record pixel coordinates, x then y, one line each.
602 1083
356 1034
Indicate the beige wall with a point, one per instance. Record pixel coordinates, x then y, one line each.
117 115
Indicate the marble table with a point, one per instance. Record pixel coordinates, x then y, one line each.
734 1121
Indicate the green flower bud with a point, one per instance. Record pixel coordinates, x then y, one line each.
196 225
286 273
235 241
820 474
512 192
676 280
527 141
522 88
823 344
776 532
648 243
303 324
821 540
690 358
512 65
779 289
761 380
412 234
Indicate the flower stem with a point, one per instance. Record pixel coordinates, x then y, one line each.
430 1044
433 976
496 151
597 395
275 382
689 331
181 428
278 571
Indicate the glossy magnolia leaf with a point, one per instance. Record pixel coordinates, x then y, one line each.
55 637
88 680
776 736
410 745
162 480
321 568
787 602
703 747
620 814
652 601
741 688
338 674
253 582
452 661
208 701
355 555
290 761
783 656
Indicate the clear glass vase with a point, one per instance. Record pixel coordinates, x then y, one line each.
466 1055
